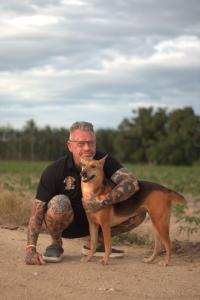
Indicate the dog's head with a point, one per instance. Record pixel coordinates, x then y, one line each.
92 170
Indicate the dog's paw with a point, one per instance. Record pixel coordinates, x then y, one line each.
163 263
85 259
103 262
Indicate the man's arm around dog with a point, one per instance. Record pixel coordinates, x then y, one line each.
126 186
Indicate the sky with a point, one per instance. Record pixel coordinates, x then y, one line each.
63 61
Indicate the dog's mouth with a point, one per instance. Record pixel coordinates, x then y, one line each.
86 179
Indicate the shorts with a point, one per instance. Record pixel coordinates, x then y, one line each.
75 230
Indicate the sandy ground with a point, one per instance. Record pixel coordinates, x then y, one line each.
126 278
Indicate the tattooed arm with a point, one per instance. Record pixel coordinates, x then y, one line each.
34 227
126 186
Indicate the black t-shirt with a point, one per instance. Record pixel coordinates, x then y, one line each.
62 177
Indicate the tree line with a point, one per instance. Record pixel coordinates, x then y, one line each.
151 135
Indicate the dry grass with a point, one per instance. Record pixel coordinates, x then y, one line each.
15 207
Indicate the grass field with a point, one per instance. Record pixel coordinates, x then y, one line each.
19 179
183 179
20 175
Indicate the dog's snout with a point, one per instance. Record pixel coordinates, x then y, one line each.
83 174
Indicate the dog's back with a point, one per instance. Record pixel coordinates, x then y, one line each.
132 204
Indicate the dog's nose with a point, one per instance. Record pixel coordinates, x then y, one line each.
83 174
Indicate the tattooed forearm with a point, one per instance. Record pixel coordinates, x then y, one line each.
126 186
35 222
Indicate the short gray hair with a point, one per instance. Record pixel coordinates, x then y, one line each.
85 126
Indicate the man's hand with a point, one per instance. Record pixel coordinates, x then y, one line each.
33 257
95 203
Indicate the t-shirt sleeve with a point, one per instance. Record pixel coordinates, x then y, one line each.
47 185
111 166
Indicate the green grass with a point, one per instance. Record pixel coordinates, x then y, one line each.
22 167
19 180
182 179
18 175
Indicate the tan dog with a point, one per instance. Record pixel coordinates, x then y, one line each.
152 197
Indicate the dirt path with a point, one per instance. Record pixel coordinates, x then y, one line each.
126 278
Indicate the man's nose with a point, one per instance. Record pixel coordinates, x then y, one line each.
86 146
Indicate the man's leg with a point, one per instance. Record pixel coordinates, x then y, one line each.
58 217
129 224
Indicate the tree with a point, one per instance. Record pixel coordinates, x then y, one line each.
141 133
155 136
150 136
29 133
105 138
184 134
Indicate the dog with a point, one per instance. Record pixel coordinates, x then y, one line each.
152 197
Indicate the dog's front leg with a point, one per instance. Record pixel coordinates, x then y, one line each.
93 240
107 242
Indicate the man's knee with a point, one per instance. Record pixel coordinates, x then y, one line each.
59 208
60 204
59 215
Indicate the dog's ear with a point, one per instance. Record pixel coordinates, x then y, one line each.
82 161
102 161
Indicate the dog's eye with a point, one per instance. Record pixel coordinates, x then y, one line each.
93 166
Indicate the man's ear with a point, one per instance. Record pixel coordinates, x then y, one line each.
68 145
102 161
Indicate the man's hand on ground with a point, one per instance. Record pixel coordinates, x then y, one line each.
33 258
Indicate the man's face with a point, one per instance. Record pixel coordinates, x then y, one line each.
82 144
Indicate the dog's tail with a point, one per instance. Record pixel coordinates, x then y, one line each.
176 197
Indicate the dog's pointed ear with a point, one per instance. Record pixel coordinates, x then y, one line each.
102 161
82 161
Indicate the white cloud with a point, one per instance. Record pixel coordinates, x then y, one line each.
181 43
31 21
96 59
183 50
73 2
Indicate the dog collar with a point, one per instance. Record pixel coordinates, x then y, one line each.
104 203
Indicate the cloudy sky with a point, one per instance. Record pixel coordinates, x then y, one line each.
96 60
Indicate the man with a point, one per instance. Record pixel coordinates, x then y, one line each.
58 199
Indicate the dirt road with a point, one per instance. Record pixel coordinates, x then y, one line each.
126 278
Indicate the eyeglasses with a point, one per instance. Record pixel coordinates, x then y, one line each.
81 144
